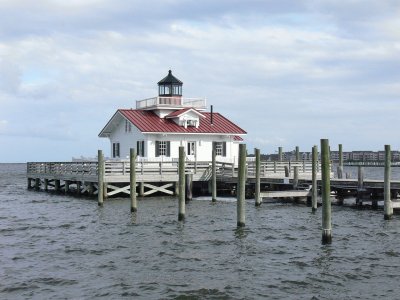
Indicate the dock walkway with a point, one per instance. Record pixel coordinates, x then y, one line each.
162 177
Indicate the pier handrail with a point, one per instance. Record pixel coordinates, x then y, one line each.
113 168
122 168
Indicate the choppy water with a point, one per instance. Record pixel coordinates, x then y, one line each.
62 247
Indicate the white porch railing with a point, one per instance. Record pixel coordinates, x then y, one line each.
178 102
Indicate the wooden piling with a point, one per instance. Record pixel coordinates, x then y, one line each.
176 188
297 153
295 177
105 190
388 208
287 171
280 154
37 184
258 180
46 184
100 183
78 187
57 185
91 189
326 193
66 186
141 189
314 195
132 179
340 167
360 187
29 183
189 187
241 186
213 175
181 213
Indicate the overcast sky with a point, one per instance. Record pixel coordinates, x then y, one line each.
288 72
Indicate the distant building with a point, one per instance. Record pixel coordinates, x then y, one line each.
160 125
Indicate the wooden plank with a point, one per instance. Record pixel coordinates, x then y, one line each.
162 189
117 190
285 194
395 204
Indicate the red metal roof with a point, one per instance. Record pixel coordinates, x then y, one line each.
148 121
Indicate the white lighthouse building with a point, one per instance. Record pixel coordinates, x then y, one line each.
160 125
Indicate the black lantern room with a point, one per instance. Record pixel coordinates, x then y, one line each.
170 86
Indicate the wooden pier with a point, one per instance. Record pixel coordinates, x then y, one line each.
162 177
151 176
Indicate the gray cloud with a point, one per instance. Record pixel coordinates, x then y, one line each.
289 72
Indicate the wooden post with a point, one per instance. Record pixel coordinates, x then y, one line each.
37 184
241 186
78 187
176 188
181 214
213 175
297 153
57 185
314 195
326 193
360 187
66 186
280 154
257 183
105 190
100 173
132 179
388 208
295 177
189 187
29 183
91 188
340 167
287 171
141 188
46 184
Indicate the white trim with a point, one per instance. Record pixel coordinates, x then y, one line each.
185 112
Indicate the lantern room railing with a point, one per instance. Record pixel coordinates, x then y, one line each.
173 102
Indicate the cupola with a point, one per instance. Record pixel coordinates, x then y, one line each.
170 86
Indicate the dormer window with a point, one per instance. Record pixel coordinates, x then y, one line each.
187 117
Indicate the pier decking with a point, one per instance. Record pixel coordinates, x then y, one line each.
162 177
60 175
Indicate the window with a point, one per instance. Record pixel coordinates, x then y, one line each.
220 148
191 148
128 126
115 150
140 148
163 148
191 123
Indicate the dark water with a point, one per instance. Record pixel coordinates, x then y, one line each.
61 247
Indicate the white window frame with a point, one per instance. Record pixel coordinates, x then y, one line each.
191 148
219 148
116 150
162 148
